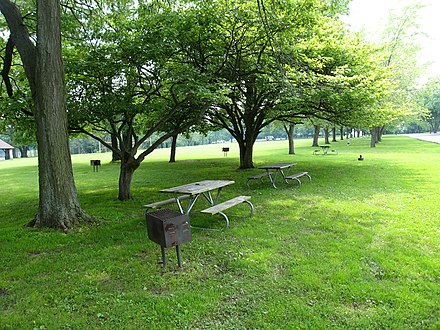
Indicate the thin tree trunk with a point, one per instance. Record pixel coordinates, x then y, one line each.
381 129
326 136
115 155
373 140
334 134
315 136
173 149
290 133
341 131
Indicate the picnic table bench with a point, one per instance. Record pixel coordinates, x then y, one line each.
297 176
219 208
258 176
158 205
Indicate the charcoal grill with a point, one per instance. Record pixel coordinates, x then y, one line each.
168 228
96 163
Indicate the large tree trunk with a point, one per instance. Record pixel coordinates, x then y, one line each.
128 165
341 132
334 134
246 154
59 206
315 135
173 149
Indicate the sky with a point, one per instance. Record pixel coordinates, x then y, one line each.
372 16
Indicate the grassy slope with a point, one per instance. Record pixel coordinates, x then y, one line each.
356 248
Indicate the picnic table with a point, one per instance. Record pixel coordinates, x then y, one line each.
194 190
272 171
210 190
325 149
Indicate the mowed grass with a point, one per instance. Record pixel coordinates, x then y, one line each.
357 248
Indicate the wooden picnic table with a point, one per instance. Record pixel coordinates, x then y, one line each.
196 189
273 169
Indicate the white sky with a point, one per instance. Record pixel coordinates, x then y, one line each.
372 15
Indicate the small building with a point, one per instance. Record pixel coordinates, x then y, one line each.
7 149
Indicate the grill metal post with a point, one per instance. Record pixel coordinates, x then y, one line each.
96 163
179 262
164 257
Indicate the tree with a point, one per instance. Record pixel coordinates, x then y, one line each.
237 44
59 206
429 97
127 80
400 48
340 78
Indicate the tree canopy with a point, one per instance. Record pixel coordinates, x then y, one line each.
141 72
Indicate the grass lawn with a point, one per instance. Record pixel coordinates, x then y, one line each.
357 248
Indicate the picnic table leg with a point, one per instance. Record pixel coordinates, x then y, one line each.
227 221
284 175
191 202
268 174
180 206
210 199
272 180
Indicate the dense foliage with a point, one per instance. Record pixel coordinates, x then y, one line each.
141 72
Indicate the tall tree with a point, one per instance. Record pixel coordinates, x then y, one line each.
127 81
235 42
400 48
429 96
59 206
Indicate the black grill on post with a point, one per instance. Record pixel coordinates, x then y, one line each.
95 163
168 228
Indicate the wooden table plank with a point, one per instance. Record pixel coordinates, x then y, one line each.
198 187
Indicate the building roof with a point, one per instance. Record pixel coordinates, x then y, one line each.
4 145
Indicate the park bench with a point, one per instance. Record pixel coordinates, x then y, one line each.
298 175
258 176
219 208
158 205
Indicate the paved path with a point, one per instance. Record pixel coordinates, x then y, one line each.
435 137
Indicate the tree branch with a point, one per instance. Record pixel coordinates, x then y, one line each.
21 39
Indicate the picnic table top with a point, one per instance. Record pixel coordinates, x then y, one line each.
198 187
277 166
